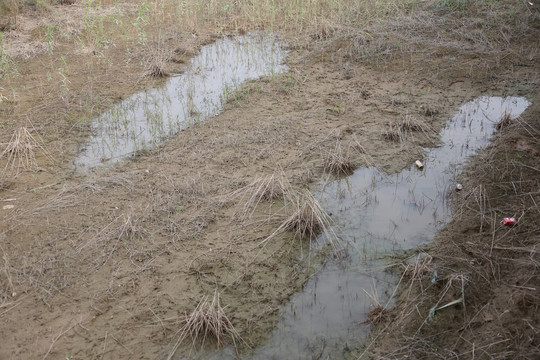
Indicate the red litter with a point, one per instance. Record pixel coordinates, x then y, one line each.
509 221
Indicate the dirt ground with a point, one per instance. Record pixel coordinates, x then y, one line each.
489 268
108 264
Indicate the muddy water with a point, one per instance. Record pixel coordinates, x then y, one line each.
147 118
379 214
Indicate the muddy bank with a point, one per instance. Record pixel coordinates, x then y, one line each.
377 216
484 269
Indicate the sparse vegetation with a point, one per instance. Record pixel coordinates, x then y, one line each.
338 163
207 322
505 121
263 188
398 131
480 270
306 219
127 248
19 152
394 132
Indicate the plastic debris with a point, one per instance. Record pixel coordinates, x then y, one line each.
509 221
7 207
435 277
459 187
419 164
431 315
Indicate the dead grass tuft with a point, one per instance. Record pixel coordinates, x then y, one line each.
20 152
263 188
415 272
307 219
411 123
379 312
393 132
377 315
430 110
155 61
398 131
504 122
477 201
208 321
338 163
130 229
419 268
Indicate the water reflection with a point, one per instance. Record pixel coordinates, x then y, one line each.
378 214
147 118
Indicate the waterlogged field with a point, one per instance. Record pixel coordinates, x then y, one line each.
379 215
148 118
215 180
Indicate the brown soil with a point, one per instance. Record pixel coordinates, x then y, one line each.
107 265
493 268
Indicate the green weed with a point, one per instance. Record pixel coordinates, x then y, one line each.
6 65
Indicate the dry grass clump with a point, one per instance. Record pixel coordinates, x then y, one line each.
504 122
430 110
419 268
155 61
155 68
307 219
412 123
415 272
263 188
376 315
477 200
131 229
20 152
394 132
208 320
379 312
266 188
397 131
338 163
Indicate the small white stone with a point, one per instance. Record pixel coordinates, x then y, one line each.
459 187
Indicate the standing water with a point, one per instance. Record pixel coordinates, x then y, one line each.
149 117
379 214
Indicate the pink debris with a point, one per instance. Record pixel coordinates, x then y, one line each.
509 221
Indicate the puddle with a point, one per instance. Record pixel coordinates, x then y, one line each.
149 117
378 214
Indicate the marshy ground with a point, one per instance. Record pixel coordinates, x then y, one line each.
110 263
